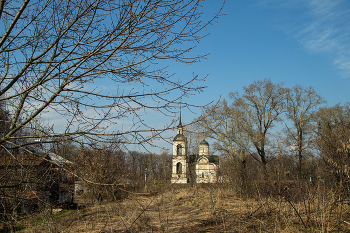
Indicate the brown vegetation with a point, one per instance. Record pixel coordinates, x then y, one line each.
206 208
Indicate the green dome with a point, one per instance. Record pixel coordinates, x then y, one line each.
204 142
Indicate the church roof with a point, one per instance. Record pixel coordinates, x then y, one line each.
179 137
204 142
212 159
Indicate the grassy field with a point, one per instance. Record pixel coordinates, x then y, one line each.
206 208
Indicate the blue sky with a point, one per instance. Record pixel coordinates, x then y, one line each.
305 42
295 42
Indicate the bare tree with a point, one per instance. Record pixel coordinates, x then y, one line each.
262 104
52 52
165 165
4 118
96 66
300 103
148 168
101 165
333 133
194 134
223 125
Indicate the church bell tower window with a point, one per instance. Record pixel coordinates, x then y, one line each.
179 150
178 168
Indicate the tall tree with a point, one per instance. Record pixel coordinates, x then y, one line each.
222 124
300 103
262 104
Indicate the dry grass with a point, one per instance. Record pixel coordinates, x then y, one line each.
207 208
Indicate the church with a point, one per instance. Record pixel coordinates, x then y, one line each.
198 168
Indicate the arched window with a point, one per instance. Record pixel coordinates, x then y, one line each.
179 149
178 168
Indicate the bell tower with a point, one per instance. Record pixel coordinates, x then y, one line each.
179 161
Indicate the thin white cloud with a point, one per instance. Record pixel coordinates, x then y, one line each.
321 26
328 32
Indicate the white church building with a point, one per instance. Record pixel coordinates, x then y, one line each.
199 168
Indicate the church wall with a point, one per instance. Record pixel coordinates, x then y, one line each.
183 151
206 173
179 178
203 150
182 158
